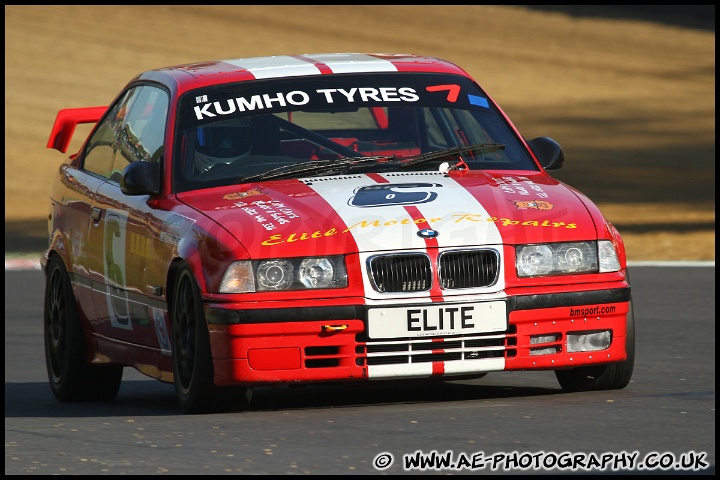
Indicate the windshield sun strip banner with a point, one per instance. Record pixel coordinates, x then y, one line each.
322 92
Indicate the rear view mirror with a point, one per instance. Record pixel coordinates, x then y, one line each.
548 152
141 178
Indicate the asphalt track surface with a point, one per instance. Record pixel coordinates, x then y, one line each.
666 414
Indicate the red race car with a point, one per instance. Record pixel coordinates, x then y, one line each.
321 218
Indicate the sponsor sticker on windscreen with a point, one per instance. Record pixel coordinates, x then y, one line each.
440 319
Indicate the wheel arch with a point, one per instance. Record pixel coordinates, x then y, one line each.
172 277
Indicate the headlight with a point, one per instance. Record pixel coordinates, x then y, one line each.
566 258
316 272
534 260
284 274
274 275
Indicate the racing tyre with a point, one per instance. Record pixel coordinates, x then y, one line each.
192 360
613 376
72 378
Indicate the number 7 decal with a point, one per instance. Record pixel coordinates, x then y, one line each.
453 91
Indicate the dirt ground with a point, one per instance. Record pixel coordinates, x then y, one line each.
629 92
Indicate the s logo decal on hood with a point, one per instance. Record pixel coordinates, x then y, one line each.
387 194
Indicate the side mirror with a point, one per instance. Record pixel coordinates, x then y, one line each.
141 178
548 152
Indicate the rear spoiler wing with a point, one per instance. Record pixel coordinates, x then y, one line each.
66 121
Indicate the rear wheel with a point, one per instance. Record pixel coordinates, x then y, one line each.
72 378
192 360
613 376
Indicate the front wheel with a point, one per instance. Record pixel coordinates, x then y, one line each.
613 376
72 378
192 359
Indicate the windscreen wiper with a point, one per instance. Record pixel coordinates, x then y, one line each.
440 154
325 167
345 165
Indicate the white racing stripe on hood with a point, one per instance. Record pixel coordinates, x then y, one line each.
380 215
384 217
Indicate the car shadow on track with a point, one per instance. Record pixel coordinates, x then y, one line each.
152 398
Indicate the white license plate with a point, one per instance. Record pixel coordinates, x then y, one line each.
437 320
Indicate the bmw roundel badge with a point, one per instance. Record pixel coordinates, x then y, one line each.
428 233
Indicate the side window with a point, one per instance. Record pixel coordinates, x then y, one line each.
100 151
134 131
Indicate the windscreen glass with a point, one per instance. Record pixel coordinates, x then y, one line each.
325 125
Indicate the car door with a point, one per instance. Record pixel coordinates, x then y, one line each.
129 261
70 214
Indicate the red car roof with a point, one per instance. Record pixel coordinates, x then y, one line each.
193 75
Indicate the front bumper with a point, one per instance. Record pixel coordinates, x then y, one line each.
327 344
